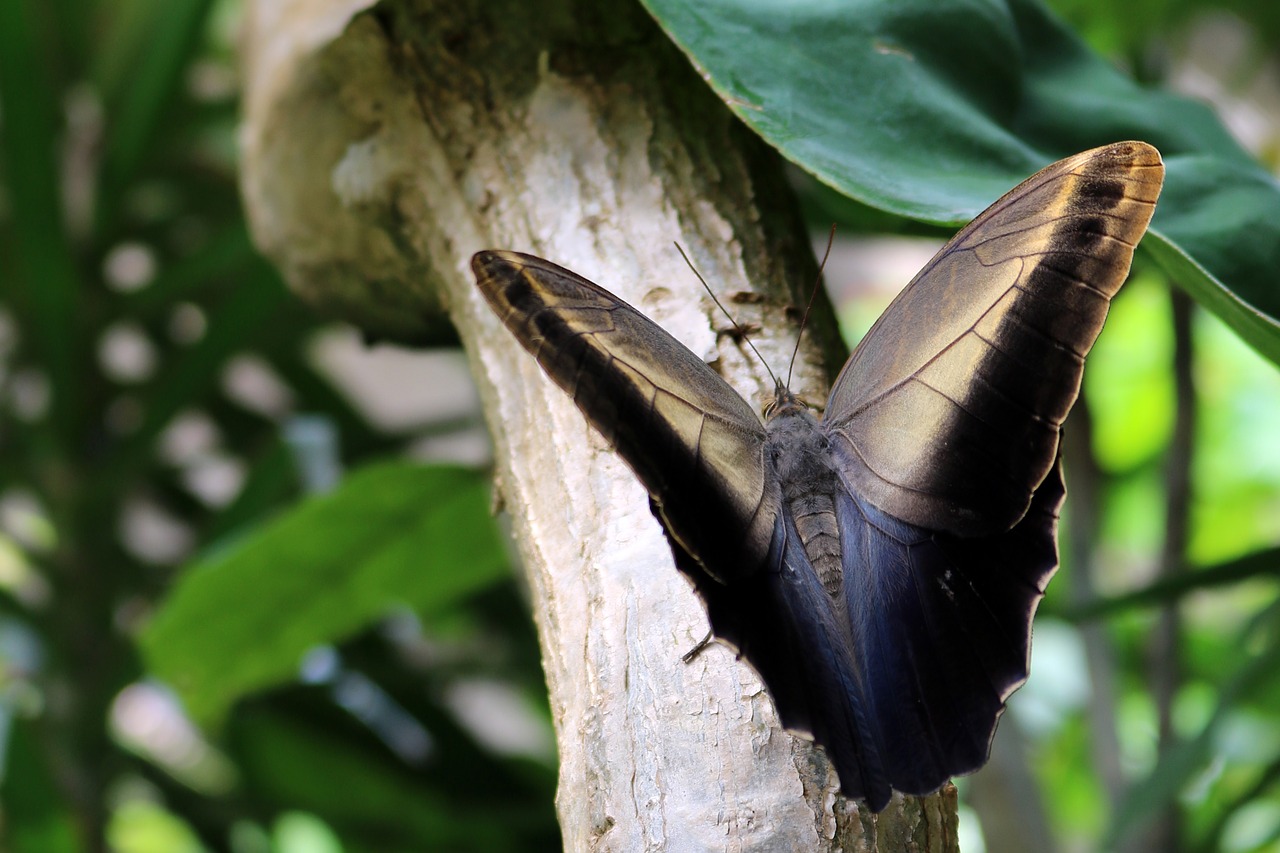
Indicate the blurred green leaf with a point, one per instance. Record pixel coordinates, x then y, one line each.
298 832
289 759
1265 781
232 323
1236 468
1128 381
1121 29
142 827
394 533
1178 766
35 815
45 278
933 110
162 37
1259 564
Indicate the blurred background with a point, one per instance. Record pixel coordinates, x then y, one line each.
205 492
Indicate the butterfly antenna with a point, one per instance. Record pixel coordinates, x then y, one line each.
813 294
741 331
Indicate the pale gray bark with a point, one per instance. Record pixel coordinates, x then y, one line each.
380 153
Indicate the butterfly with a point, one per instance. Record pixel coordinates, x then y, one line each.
878 565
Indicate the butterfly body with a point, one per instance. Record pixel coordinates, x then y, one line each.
852 609
879 566
799 453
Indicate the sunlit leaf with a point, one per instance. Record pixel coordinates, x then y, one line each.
391 534
1129 384
141 827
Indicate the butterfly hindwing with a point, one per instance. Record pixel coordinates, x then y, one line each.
902 679
782 622
943 627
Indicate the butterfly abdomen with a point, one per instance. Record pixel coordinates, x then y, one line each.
798 451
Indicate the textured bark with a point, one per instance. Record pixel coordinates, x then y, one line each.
379 155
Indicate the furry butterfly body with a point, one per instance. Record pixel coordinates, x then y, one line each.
878 566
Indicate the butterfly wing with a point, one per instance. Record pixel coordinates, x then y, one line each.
693 442
784 623
903 679
941 629
947 415
944 430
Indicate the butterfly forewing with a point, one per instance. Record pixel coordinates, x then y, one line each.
947 415
693 442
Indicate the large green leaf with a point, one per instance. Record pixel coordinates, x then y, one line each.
393 533
932 110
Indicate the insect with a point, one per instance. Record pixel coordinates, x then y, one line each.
879 566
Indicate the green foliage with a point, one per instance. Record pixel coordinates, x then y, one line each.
35 816
320 763
932 110
393 534
120 226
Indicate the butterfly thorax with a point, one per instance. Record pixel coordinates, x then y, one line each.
784 402
798 450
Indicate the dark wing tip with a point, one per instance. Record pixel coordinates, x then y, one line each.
1142 153
488 261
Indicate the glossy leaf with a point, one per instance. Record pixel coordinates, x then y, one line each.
930 110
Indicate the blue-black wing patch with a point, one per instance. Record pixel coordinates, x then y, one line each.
904 680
